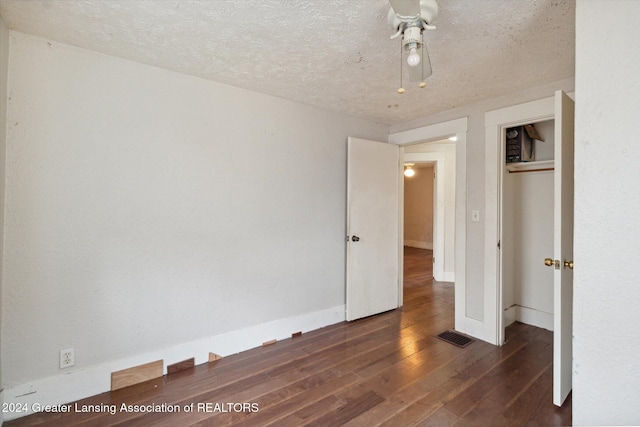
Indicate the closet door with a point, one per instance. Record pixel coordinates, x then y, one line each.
563 248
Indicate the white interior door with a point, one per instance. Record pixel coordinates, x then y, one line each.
373 175
563 248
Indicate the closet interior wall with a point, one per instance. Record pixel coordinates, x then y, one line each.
527 238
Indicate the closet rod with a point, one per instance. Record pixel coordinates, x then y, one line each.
532 170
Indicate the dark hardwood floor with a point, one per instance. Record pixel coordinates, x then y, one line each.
386 370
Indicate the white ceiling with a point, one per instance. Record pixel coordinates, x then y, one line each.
333 54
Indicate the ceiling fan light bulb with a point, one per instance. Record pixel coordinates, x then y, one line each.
413 59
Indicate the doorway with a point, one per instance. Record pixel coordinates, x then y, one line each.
527 231
407 139
419 225
439 158
419 198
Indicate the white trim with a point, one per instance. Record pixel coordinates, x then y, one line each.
495 122
434 132
76 385
534 317
529 316
418 244
449 276
429 133
471 327
510 315
400 283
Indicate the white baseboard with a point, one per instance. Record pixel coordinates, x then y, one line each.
445 276
449 276
418 244
534 317
476 328
83 383
510 315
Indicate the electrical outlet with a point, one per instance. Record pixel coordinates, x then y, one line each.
67 358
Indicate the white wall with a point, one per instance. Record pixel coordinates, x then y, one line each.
544 149
4 68
475 177
148 209
606 377
418 208
527 241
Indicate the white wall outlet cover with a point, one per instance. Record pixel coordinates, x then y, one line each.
67 358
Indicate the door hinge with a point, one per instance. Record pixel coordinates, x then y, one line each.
433 260
498 244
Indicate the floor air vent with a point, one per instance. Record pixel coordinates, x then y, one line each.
455 338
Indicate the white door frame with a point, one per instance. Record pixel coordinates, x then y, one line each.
495 124
457 127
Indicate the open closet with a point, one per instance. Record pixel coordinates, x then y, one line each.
529 266
527 224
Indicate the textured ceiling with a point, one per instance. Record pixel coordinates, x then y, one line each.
333 54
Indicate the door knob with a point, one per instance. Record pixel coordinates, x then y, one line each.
355 239
569 264
548 262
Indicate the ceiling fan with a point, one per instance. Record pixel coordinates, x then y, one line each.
410 18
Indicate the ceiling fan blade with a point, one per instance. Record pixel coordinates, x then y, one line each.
426 62
415 73
406 7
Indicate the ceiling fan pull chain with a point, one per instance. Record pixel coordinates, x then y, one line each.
400 89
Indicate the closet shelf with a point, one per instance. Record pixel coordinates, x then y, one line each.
540 165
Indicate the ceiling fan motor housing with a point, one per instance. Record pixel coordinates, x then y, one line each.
428 13
412 38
